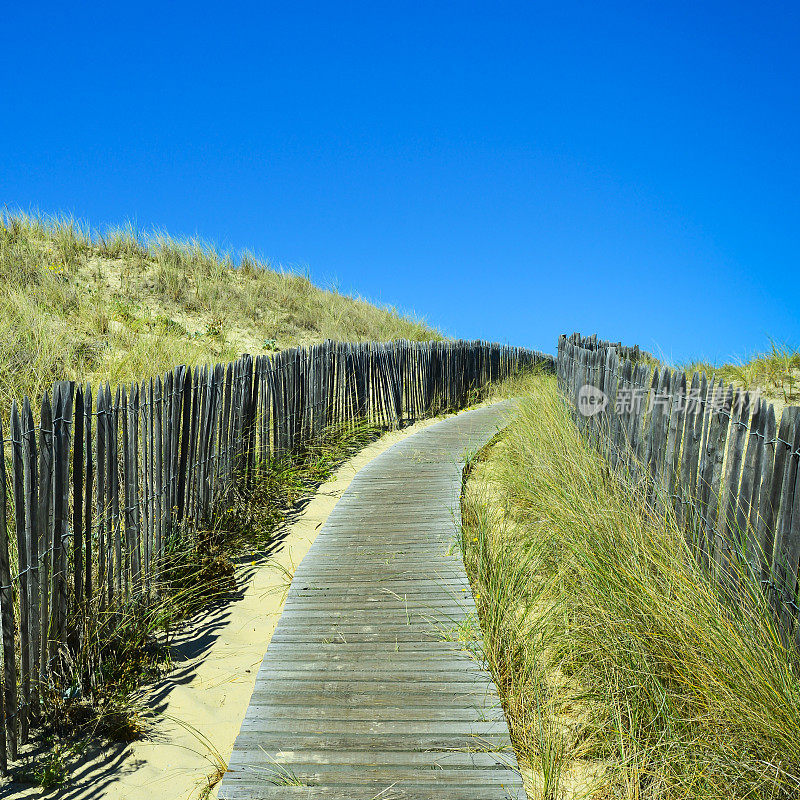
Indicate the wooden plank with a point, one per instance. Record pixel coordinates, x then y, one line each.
178 378
762 520
59 488
30 457
784 556
202 448
370 741
710 479
792 536
794 550
102 468
183 465
652 443
112 449
136 555
663 400
693 440
251 394
158 506
675 438
167 420
749 492
445 760
640 382
191 477
127 515
147 484
728 538
89 555
783 446
262 790
622 414
77 498
215 389
360 683
8 740
225 425
23 551
60 581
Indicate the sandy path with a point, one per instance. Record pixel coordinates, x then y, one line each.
198 708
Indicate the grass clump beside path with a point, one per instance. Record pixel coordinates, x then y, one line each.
119 306
623 671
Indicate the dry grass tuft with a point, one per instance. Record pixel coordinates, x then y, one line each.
775 373
118 305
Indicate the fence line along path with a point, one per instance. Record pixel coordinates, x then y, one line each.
101 489
725 460
367 689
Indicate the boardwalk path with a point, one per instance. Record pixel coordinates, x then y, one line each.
365 691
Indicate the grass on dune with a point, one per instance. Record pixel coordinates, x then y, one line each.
775 373
623 670
119 305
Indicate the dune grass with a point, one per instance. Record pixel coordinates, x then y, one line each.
775 373
623 670
120 305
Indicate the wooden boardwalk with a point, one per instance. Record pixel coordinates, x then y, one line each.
365 692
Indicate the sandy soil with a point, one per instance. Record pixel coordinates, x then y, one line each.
197 709
243 337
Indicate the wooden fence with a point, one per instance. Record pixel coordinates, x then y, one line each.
718 455
95 482
634 353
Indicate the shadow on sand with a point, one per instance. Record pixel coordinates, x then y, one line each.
102 763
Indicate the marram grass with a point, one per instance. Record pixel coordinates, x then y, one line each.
624 671
119 305
775 373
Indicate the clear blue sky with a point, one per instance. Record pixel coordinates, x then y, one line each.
507 170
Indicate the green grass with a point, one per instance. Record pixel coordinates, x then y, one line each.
50 768
120 305
623 669
776 372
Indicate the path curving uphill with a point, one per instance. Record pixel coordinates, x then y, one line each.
366 691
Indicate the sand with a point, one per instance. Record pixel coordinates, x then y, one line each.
196 711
